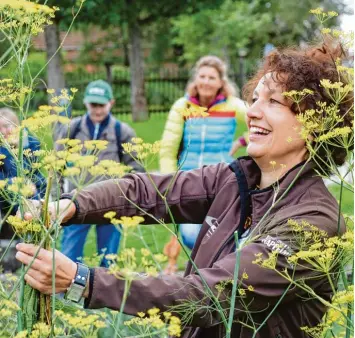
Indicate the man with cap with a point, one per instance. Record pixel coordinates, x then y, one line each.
97 124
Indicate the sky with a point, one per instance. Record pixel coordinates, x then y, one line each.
348 21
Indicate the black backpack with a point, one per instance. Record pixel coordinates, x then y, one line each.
75 128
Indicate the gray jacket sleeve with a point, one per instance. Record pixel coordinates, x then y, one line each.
127 133
60 131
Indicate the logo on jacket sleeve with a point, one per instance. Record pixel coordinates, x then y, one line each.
213 224
277 245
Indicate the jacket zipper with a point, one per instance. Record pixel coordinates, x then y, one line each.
96 131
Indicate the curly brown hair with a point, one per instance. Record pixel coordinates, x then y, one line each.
305 68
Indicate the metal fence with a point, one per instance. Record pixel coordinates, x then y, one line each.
162 87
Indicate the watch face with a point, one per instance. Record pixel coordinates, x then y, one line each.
75 292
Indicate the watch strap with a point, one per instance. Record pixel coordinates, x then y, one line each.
76 289
91 288
82 274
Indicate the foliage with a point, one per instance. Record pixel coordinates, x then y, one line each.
230 28
246 26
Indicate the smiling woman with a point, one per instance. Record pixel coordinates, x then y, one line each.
274 132
312 77
208 83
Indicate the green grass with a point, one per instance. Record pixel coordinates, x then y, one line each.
347 203
149 131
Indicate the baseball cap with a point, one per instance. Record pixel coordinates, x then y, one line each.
98 91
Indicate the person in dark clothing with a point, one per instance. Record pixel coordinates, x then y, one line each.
8 171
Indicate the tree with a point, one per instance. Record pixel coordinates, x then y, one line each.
134 17
55 73
107 49
63 18
239 26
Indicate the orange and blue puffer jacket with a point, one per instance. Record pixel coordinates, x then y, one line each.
193 142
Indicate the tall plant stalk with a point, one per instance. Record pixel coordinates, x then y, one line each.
235 285
45 308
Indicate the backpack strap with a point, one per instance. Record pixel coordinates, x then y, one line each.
75 128
118 139
244 197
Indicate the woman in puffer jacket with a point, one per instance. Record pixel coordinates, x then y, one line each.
193 142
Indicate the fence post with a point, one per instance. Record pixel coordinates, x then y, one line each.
108 67
242 54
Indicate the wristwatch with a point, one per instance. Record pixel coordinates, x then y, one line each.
77 287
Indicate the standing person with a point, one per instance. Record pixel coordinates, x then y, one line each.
8 171
97 124
192 143
245 190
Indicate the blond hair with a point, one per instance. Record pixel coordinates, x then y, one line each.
227 89
9 115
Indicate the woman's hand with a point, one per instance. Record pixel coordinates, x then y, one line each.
63 209
39 275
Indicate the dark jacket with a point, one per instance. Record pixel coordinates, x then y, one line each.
8 170
221 197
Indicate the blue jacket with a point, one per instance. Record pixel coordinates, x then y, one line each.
202 141
8 169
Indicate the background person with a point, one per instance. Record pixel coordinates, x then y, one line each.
8 171
194 142
97 124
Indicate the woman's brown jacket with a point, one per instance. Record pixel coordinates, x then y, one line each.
225 199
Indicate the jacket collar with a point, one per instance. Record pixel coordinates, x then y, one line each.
261 200
252 173
218 99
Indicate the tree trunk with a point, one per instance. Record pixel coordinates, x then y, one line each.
125 54
123 42
138 99
109 76
55 74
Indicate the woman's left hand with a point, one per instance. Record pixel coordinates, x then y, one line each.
39 275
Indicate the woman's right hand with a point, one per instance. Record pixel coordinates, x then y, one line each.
63 210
